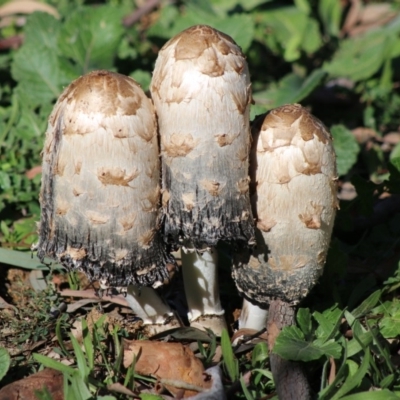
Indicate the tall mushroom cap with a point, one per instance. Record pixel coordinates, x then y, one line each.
100 185
201 91
293 169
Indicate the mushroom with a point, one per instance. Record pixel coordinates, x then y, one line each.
252 316
100 187
201 92
293 171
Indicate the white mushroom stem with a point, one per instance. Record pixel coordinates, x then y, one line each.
200 277
151 309
252 316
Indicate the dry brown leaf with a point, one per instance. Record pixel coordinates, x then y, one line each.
90 294
166 361
392 138
332 373
26 7
31 173
24 389
363 134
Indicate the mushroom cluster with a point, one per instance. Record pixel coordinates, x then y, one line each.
107 210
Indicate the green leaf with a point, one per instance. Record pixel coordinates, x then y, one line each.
246 391
90 37
256 110
195 13
329 322
368 304
143 78
303 318
290 31
36 69
249 4
343 371
36 66
259 354
290 344
395 153
5 362
147 396
390 325
230 361
359 343
240 27
354 380
303 5
346 148
378 395
163 27
83 368
88 344
387 381
22 259
42 29
360 57
79 388
290 89
312 40
331 14
51 363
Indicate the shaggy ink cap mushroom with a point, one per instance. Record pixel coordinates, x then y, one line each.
293 170
201 91
100 185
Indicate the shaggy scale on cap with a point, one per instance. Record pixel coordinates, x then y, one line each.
202 93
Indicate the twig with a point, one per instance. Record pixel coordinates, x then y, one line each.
90 294
12 42
134 17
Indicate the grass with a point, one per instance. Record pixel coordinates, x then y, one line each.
348 350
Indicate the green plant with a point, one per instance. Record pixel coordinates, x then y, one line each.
5 362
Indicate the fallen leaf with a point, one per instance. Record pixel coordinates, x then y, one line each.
90 294
31 173
37 280
26 7
184 333
171 363
25 388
